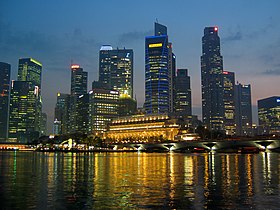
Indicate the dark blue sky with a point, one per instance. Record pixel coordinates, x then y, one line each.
56 32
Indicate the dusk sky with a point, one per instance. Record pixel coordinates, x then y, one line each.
58 32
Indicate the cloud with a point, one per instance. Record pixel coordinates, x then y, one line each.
275 72
271 24
235 36
130 37
53 51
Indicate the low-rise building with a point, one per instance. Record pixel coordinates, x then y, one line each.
142 129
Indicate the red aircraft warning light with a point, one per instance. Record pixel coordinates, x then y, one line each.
216 28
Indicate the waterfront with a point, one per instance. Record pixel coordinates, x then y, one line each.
39 180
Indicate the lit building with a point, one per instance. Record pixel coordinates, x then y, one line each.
142 129
43 125
57 127
30 70
212 80
24 122
61 114
127 106
122 71
116 69
82 118
269 115
183 98
105 66
26 102
103 107
229 105
5 74
78 80
243 110
158 72
78 89
172 78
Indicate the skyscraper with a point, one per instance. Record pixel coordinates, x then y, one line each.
116 69
105 65
122 71
183 98
157 72
30 70
61 116
26 102
229 86
78 80
24 121
5 72
212 80
243 110
78 88
269 115
82 119
103 107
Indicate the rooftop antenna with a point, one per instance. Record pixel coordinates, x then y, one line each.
156 20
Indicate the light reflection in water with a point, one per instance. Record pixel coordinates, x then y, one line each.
139 180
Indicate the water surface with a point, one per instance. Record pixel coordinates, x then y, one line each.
36 180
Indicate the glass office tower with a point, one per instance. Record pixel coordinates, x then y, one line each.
212 80
157 72
183 98
229 103
269 115
79 79
26 102
116 70
5 74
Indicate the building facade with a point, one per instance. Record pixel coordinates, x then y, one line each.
157 72
212 80
105 66
79 80
183 98
122 71
82 119
116 69
30 70
26 102
24 122
229 103
61 113
243 110
5 75
103 107
142 129
269 115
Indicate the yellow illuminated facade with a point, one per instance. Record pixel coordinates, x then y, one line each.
142 129
155 45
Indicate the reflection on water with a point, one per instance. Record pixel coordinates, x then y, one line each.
139 180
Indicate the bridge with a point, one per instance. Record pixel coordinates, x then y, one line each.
203 145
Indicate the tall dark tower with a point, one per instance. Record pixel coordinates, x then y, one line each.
5 72
212 81
229 103
30 70
26 102
76 99
78 80
157 72
105 65
243 109
183 98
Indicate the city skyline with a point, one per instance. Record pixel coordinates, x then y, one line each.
249 42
